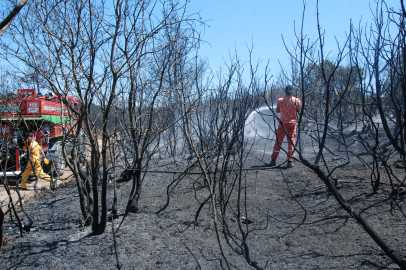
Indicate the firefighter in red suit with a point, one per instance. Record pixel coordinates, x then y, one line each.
288 106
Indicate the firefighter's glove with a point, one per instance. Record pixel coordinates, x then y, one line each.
46 161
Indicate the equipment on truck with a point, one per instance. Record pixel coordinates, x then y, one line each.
44 115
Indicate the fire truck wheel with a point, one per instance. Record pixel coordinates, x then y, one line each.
59 163
56 165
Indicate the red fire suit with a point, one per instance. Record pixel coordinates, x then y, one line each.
288 106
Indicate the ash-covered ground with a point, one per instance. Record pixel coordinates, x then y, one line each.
296 223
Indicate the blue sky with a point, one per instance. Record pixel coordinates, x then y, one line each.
236 24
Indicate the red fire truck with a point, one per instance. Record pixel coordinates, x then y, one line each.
44 115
